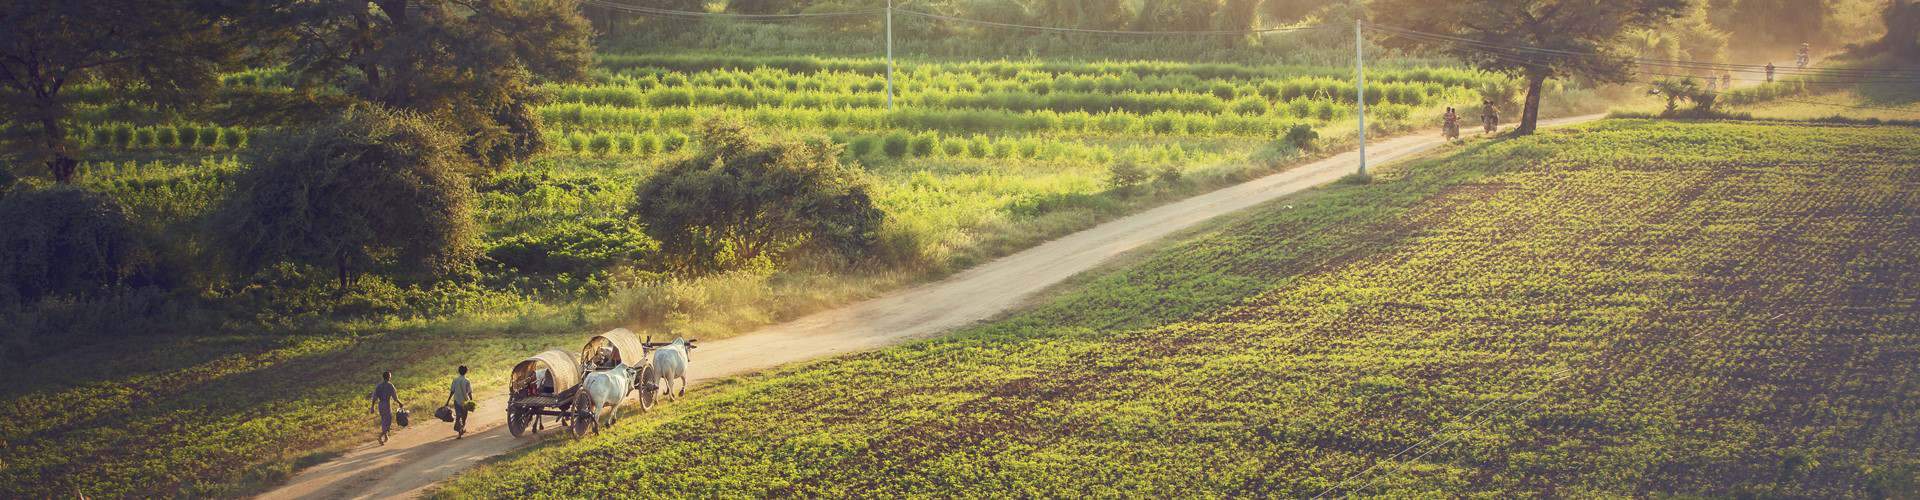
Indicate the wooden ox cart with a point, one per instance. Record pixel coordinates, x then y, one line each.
542 386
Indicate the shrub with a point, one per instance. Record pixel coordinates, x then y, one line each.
741 199
1301 136
1125 174
895 144
368 187
67 241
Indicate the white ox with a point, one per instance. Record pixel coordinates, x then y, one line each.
600 397
669 363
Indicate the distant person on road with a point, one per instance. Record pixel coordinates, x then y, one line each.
382 394
1805 55
460 395
1726 80
1490 116
1450 125
1769 72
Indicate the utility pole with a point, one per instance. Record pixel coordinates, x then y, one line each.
889 55
1360 96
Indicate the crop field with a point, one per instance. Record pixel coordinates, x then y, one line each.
1632 308
979 159
973 153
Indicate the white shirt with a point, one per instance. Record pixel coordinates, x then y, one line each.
462 391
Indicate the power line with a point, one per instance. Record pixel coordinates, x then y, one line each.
1106 32
644 10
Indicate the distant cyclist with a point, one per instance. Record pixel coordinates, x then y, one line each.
1805 55
1769 72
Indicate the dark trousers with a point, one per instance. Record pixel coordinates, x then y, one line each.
460 418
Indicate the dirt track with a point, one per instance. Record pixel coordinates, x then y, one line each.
424 455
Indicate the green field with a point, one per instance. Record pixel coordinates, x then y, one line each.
980 159
1632 308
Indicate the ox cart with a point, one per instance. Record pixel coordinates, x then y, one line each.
542 386
620 346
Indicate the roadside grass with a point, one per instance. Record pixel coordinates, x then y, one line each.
1630 308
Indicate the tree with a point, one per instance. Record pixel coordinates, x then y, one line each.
1903 29
1676 90
742 198
371 186
470 65
1533 39
166 53
68 241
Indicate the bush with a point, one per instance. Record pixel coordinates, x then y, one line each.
1123 175
1301 136
67 241
369 187
743 199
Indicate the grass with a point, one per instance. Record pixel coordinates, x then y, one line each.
1633 308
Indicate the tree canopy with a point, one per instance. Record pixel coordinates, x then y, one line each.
742 198
471 65
1533 39
166 53
370 187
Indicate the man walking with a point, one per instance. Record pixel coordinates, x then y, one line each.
459 396
382 394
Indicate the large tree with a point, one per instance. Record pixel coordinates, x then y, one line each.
1536 40
370 187
163 53
470 65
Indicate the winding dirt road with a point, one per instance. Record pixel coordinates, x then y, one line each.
419 457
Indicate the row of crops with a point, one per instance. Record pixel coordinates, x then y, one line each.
893 145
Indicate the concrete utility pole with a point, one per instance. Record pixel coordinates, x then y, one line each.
889 54
1360 97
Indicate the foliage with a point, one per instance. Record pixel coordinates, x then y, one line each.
168 52
1552 27
69 242
742 198
1124 175
470 66
371 187
1301 137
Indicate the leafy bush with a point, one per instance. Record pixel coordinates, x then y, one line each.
1301 137
66 241
741 199
370 187
1125 174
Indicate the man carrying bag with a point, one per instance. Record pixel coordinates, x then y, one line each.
460 400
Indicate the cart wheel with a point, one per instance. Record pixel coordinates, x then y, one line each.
648 392
517 423
584 424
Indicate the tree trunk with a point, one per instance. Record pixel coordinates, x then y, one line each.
340 262
1530 117
61 166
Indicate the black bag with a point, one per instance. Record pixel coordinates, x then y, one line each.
400 417
444 413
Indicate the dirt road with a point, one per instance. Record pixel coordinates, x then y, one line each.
421 456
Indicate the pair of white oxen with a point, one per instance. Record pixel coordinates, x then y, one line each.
603 390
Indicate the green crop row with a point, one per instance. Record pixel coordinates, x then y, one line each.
1136 103
576 116
184 136
925 78
693 63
